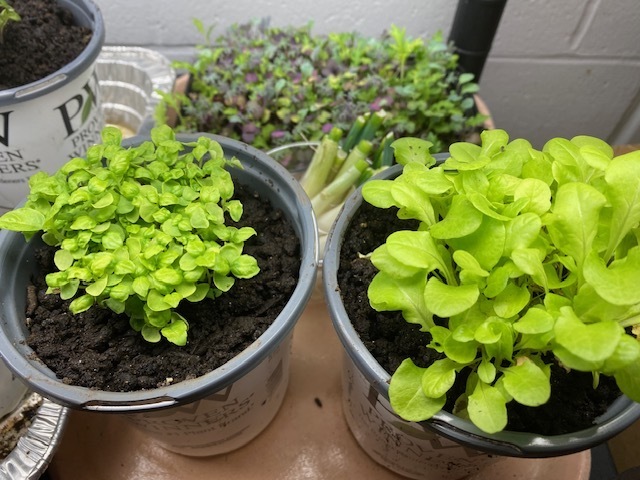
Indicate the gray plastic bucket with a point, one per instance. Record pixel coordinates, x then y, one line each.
220 410
394 434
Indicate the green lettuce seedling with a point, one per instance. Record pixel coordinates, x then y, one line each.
140 229
520 256
7 14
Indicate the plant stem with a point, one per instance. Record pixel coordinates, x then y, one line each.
353 137
368 173
334 193
384 155
341 156
325 221
316 175
361 152
374 122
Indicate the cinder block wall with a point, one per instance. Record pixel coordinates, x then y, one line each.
557 68
567 68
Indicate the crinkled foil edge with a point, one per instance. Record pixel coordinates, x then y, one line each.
157 69
35 449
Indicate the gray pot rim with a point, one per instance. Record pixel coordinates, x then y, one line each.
622 413
276 184
88 14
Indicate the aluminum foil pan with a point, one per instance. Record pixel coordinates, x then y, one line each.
130 79
36 446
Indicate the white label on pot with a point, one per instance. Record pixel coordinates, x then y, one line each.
44 133
227 419
403 447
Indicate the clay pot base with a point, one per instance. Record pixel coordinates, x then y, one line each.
309 436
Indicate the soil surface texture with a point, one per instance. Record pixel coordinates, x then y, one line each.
43 41
98 349
573 405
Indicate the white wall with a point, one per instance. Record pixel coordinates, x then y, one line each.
561 68
557 67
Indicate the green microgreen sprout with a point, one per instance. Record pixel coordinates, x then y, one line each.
521 256
7 14
140 229
403 47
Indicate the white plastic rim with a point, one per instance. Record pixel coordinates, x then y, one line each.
46 123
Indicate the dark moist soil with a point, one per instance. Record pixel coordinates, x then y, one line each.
45 40
573 405
98 349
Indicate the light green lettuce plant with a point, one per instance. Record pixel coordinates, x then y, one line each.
140 229
521 256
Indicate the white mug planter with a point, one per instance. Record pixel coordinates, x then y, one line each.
45 123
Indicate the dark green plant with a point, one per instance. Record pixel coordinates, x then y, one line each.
7 14
521 256
271 86
140 229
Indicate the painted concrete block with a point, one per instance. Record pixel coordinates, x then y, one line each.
539 100
614 30
166 23
628 130
538 27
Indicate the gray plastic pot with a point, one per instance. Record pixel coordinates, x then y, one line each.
249 388
45 123
443 428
